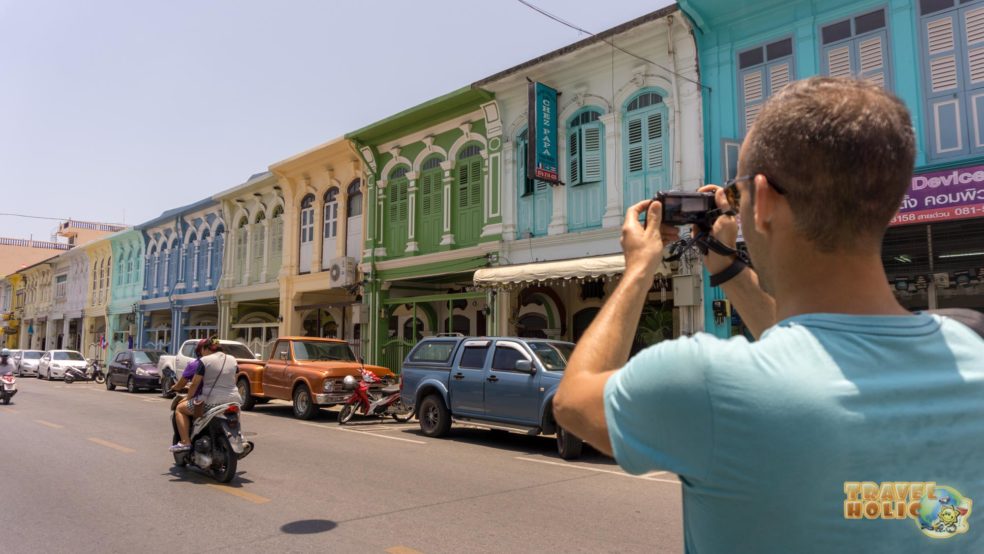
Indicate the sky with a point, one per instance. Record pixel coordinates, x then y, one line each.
116 110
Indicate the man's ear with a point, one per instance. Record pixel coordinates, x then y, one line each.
765 204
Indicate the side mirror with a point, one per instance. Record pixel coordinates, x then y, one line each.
258 356
524 365
283 356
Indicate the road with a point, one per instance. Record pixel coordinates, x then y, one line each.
87 470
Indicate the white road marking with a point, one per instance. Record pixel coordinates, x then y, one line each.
647 477
330 428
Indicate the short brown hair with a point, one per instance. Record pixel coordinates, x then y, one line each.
843 150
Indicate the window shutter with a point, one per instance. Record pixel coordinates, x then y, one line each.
838 61
753 95
942 52
475 198
591 153
425 195
778 77
946 105
654 152
974 29
403 200
635 144
871 53
462 184
573 157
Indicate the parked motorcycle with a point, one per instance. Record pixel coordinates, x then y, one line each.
8 388
382 403
217 443
92 372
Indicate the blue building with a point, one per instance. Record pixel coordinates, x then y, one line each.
929 53
182 267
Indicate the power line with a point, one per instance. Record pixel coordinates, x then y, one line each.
36 217
578 28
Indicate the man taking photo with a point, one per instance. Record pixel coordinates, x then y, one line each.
851 422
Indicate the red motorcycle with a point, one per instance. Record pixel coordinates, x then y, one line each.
380 402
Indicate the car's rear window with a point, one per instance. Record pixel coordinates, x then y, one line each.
32 355
237 351
437 351
74 356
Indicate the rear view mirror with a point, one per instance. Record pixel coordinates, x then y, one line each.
258 356
283 356
524 365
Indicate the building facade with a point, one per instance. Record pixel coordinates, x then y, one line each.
320 285
434 211
38 295
926 53
126 290
248 292
11 309
95 341
70 274
182 267
628 126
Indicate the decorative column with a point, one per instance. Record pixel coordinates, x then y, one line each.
319 233
493 173
447 238
613 191
266 249
412 247
380 211
248 262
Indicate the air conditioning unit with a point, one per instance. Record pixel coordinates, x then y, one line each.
342 272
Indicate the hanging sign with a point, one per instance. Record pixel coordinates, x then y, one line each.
542 135
943 196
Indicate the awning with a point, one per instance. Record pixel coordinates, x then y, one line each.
581 269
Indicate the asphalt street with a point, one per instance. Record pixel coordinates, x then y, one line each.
87 470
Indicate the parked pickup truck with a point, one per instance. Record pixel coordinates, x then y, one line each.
308 371
493 382
170 367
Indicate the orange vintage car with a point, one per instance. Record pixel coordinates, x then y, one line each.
305 370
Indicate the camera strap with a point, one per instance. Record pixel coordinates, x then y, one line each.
704 242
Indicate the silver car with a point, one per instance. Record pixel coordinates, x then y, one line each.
54 363
26 361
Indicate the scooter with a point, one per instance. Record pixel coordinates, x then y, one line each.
9 387
217 442
91 373
384 403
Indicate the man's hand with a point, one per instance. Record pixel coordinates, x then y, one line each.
725 230
643 246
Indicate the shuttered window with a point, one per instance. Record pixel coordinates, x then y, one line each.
429 204
646 149
584 148
397 221
857 47
762 72
646 144
953 63
535 198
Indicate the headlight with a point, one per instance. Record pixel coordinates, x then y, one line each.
329 385
349 382
142 372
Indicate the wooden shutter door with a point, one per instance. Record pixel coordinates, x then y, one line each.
431 211
574 157
973 32
635 177
837 60
655 154
872 59
948 135
586 201
524 196
752 95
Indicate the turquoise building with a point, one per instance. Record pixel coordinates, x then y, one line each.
929 53
127 280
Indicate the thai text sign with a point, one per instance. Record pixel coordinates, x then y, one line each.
542 133
943 196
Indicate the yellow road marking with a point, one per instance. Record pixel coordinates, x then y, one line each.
647 477
254 498
8 410
112 445
49 424
402 550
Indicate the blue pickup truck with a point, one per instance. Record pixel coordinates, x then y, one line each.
494 382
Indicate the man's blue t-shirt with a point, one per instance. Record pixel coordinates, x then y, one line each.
767 436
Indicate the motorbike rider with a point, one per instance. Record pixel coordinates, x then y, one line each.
6 364
214 383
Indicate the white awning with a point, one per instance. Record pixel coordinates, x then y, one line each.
580 269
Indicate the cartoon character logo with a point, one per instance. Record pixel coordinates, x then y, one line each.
946 515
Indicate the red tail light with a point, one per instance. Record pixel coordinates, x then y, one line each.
232 409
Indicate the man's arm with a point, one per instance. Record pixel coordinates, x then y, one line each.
579 405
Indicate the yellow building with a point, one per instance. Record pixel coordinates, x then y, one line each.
11 309
323 229
38 296
100 259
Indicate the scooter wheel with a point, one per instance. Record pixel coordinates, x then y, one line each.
69 380
346 414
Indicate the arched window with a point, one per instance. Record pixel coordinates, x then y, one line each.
257 240
353 241
242 238
586 170
397 212
645 147
276 241
430 220
329 246
467 226
307 233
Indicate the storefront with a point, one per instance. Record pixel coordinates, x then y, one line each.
934 250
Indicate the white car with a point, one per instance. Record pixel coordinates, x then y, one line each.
27 362
54 363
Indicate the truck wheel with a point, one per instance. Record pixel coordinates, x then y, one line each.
243 385
435 421
568 446
166 387
304 407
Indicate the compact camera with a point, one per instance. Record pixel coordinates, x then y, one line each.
689 208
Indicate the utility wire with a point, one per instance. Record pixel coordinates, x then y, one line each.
37 217
613 45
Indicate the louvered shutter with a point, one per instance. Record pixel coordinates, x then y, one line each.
837 60
475 178
947 136
871 58
654 139
973 21
636 163
574 157
591 159
753 94
779 74
462 184
425 195
403 215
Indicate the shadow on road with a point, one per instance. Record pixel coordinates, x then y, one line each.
195 476
308 526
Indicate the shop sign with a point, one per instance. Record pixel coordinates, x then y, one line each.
542 134
943 196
